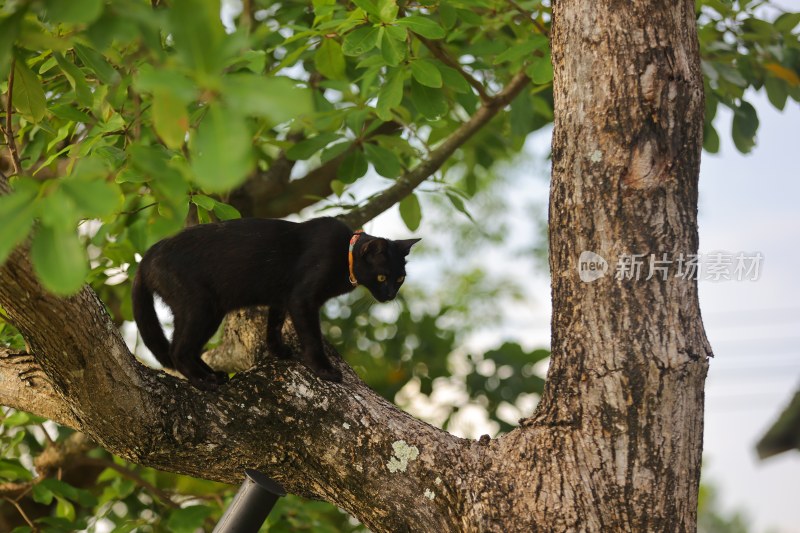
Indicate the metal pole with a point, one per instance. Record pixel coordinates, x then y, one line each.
251 505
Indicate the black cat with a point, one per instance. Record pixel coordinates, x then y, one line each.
207 270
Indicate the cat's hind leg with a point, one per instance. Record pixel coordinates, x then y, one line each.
275 319
193 328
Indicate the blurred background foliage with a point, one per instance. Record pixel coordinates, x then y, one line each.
125 120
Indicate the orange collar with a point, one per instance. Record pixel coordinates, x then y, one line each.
353 240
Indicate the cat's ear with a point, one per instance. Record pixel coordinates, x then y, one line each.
405 245
374 246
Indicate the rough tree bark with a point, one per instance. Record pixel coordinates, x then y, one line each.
615 443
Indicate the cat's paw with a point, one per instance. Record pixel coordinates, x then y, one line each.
328 373
221 378
208 381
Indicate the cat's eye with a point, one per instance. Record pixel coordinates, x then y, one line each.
401 279
381 278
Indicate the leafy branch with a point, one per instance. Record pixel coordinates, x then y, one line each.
441 54
406 184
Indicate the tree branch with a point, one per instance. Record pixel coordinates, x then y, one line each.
9 130
439 52
340 442
406 184
271 194
24 386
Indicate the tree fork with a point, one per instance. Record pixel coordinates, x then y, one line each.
615 444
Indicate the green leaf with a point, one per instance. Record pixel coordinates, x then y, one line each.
731 75
368 6
521 117
203 216
329 59
334 150
73 11
12 470
745 125
57 209
391 95
425 72
9 28
386 163
428 101
76 79
16 419
28 98
423 26
277 99
42 494
188 519
64 509
354 165
777 92
787 22
59 259
710 139
387 10
221 151
360 41
65 490
198 34
338 187
201 200
448 15
98 64
541 70
94 199
518 51
253 60
16 217
305 149
392 50
170 118
458 203
454 80
411 212
67 112
225 211
151 80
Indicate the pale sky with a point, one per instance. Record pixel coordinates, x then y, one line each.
750 203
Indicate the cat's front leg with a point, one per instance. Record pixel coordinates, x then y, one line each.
305 318
275 344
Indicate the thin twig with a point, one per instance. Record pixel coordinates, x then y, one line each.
531 17
28 520
47 435
160 494
9 131
406 184
441 54
134 211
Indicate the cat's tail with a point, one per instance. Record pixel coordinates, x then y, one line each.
144 312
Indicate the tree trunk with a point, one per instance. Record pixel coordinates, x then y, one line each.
615 443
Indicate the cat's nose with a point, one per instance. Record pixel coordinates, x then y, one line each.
387 294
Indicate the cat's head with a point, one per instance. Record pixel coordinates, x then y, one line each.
380 265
